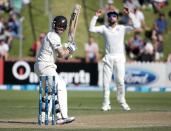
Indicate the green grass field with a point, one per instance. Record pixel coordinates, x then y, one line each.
150 112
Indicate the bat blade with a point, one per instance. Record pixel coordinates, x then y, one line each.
73 22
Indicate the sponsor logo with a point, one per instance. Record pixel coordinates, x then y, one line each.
135 76
21 70
80 77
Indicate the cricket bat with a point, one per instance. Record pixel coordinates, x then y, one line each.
73 22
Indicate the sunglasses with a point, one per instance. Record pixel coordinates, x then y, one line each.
112 15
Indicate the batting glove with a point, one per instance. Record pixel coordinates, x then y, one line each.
72 47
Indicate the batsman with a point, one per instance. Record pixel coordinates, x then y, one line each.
52 49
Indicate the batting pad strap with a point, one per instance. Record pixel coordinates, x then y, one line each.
58 110
43 109
56 102
43 100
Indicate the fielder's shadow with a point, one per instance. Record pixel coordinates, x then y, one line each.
18 122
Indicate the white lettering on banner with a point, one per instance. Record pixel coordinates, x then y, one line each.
26 71
136 79
76 77
33 78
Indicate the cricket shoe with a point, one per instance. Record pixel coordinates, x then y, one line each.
65 120
125 107
106 107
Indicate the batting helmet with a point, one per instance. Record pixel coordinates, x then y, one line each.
59 22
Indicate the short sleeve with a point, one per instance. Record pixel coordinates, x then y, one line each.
55 40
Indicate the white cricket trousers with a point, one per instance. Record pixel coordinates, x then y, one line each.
114 64
42 68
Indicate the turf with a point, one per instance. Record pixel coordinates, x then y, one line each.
124 129
80 103
24 105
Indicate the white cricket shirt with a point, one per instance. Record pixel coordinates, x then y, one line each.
114 37
47 52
